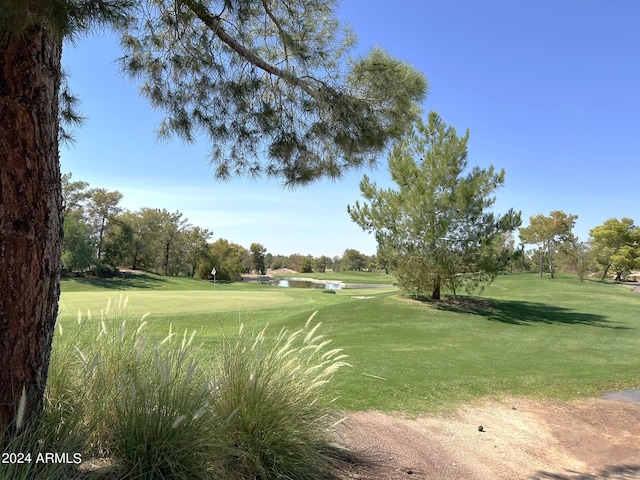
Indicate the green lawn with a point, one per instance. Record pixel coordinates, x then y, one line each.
522 336
534 338
144 282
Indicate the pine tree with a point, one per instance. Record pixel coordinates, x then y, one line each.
616 245
435 228
270 84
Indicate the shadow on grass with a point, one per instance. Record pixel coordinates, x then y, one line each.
524 313
617 472
124 281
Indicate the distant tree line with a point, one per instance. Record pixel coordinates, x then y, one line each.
101 237
612 248
351 259
548 245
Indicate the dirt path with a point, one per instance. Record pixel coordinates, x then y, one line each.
521 439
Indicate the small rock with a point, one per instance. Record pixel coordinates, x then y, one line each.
481 428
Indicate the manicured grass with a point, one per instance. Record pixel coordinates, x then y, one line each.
180 303
143 281
523 336
535 338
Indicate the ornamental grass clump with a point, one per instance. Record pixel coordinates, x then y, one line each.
26 451
274 416
147 403
161 426
164 408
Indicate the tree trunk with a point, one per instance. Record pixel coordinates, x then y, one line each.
166 259
100 240
435 293
136 252
550 257
30 216
606 270
541 261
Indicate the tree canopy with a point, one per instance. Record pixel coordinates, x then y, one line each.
616 245
269 80
258 253
548 233
435 228
273 86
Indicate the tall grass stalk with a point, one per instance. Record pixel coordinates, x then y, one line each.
27 449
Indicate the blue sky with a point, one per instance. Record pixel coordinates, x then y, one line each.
550 91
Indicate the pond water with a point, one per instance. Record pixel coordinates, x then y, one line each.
292 283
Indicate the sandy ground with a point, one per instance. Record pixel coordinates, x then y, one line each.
521 439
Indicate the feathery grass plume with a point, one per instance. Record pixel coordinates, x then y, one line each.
145 403
159 426
273 413
22 408
153 409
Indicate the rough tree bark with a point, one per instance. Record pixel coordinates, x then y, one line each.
606 270
30 216
435 292
541 260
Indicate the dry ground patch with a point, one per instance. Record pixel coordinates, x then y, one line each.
521 439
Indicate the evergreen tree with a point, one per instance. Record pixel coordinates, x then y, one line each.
616 245
306 264
102 205
194 240
353 260
227 258
434 228
322 263
77 252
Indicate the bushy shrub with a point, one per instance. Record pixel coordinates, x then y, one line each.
105 270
